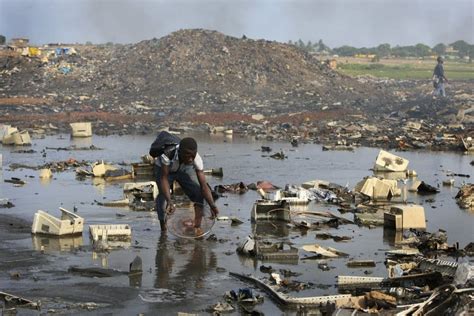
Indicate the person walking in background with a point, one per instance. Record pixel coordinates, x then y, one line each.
439 78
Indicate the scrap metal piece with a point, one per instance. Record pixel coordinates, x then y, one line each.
360 263
446 268
281 298
327 252
16 301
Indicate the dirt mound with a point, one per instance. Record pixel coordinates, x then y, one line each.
199 66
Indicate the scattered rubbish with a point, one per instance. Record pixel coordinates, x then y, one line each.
5 203
446 268
465 196
405 216
389 162
468 143
360 263
448 182
338 147
216 172
422 188
141 190
267 209
15 181
222 308
425 188
45 173
369 219
333 237
403 252
279 155
5 134
287 300
244 295
21 138
117 175
247 247
96 272
352 282
12 136
68 224
100 168
142 170
324 252
13 301
239 188
275 251
464 274
378 189
81 129
107 236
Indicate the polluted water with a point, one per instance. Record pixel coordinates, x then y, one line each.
192 275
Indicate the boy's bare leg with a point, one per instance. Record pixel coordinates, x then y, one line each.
198 213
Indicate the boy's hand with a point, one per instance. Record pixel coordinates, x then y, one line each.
170 207
214 211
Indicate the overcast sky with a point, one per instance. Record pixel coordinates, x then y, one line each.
337 22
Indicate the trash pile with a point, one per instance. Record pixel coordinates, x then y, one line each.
417 282
203 80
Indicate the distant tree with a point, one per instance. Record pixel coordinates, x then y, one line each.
345 50
322 47
383 50
401 51
290 42
309 46
422 50
463 48
300 43
439 49
3 39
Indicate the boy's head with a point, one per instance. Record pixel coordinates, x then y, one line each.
187 150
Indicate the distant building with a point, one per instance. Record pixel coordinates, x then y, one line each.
19 42
451 50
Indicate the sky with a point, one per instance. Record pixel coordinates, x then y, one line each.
359 23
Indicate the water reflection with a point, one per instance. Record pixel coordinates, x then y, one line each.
191 275
392 237
81 141
53 243
397 175
45 181
99 184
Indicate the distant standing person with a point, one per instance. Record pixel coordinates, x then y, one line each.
180 162
439 78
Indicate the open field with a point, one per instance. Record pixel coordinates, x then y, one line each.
403 68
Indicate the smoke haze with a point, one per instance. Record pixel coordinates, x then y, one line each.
356 23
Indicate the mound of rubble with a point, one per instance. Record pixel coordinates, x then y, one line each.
198 77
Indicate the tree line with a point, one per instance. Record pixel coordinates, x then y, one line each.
459 49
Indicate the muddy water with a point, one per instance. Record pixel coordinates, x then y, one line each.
187 275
